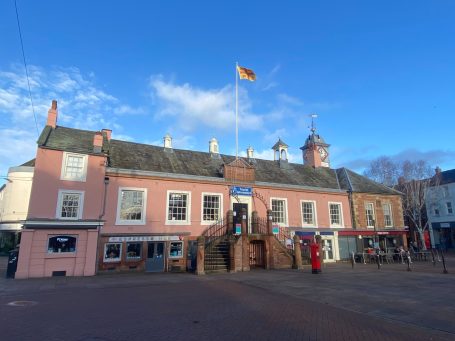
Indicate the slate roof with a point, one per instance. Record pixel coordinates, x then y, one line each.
447 177
30 163
142 157
354 182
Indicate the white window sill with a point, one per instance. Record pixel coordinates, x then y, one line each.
129 222
176 222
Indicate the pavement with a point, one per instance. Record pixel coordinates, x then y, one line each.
341 303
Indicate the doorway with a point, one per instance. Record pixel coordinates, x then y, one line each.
327 247
257 254
155 257
192 256
237 210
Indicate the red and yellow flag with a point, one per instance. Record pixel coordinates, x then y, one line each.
245 73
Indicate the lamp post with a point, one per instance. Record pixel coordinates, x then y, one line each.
376 244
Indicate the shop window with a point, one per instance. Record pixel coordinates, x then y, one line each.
176 250
131 206
74 167
112 252
133 251
59 244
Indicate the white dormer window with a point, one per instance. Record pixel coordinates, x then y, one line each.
74 167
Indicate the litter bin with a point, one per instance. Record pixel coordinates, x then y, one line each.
12 263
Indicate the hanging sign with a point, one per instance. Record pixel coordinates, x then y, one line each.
238 190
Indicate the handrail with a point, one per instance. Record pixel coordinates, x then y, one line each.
215 231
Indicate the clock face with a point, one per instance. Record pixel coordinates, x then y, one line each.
323 153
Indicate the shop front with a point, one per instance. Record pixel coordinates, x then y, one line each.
144 253
329 240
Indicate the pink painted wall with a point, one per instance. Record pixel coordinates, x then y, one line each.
35 261
47 183
157 198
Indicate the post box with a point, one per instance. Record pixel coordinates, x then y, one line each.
315 258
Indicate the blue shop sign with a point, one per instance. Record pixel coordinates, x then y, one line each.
238 190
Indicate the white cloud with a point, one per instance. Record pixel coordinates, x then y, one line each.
192 108
81 103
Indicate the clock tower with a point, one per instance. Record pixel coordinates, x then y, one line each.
315 150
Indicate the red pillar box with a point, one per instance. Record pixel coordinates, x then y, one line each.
315 259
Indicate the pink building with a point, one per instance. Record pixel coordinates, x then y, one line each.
100 204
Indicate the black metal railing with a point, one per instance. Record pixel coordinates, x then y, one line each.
284 237
216 231
259 226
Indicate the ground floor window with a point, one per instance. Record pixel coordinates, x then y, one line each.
176 250
112 252
58 244
133 251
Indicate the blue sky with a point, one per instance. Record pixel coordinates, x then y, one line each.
379 74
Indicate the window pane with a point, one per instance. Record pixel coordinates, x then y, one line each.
74 167
176 249
211 208
369 210
61 244
278 211
335 214
112 251
133 250
70 205
177 206
308 213
387 215
131 205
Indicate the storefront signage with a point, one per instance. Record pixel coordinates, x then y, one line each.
238 190
382 233
143 238
238 229
275 229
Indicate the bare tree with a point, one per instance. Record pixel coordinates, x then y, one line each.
383 170
413 179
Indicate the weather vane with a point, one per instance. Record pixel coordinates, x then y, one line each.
313 128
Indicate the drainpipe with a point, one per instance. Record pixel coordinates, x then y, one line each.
103 212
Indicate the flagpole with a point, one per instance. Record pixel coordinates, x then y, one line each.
236 111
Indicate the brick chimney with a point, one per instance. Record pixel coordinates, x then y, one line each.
52 114
108 133
97 142
312 157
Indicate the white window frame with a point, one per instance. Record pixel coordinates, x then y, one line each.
58 212
286 221
314 213
374 214
340 205
112 260
64 176
206 222
183 250
391 214
188 209
118 220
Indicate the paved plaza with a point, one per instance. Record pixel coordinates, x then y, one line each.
342 303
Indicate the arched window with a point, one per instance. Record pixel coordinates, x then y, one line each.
61 244
284 155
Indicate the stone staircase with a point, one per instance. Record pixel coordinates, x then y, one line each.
217 256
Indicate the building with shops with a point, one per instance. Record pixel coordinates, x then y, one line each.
100 204
14 200
439 203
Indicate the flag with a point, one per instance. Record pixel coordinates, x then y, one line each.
245 73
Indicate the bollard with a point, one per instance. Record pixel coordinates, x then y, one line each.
444 264
378 259
432 256
352 259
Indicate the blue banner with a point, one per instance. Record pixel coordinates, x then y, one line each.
237 190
